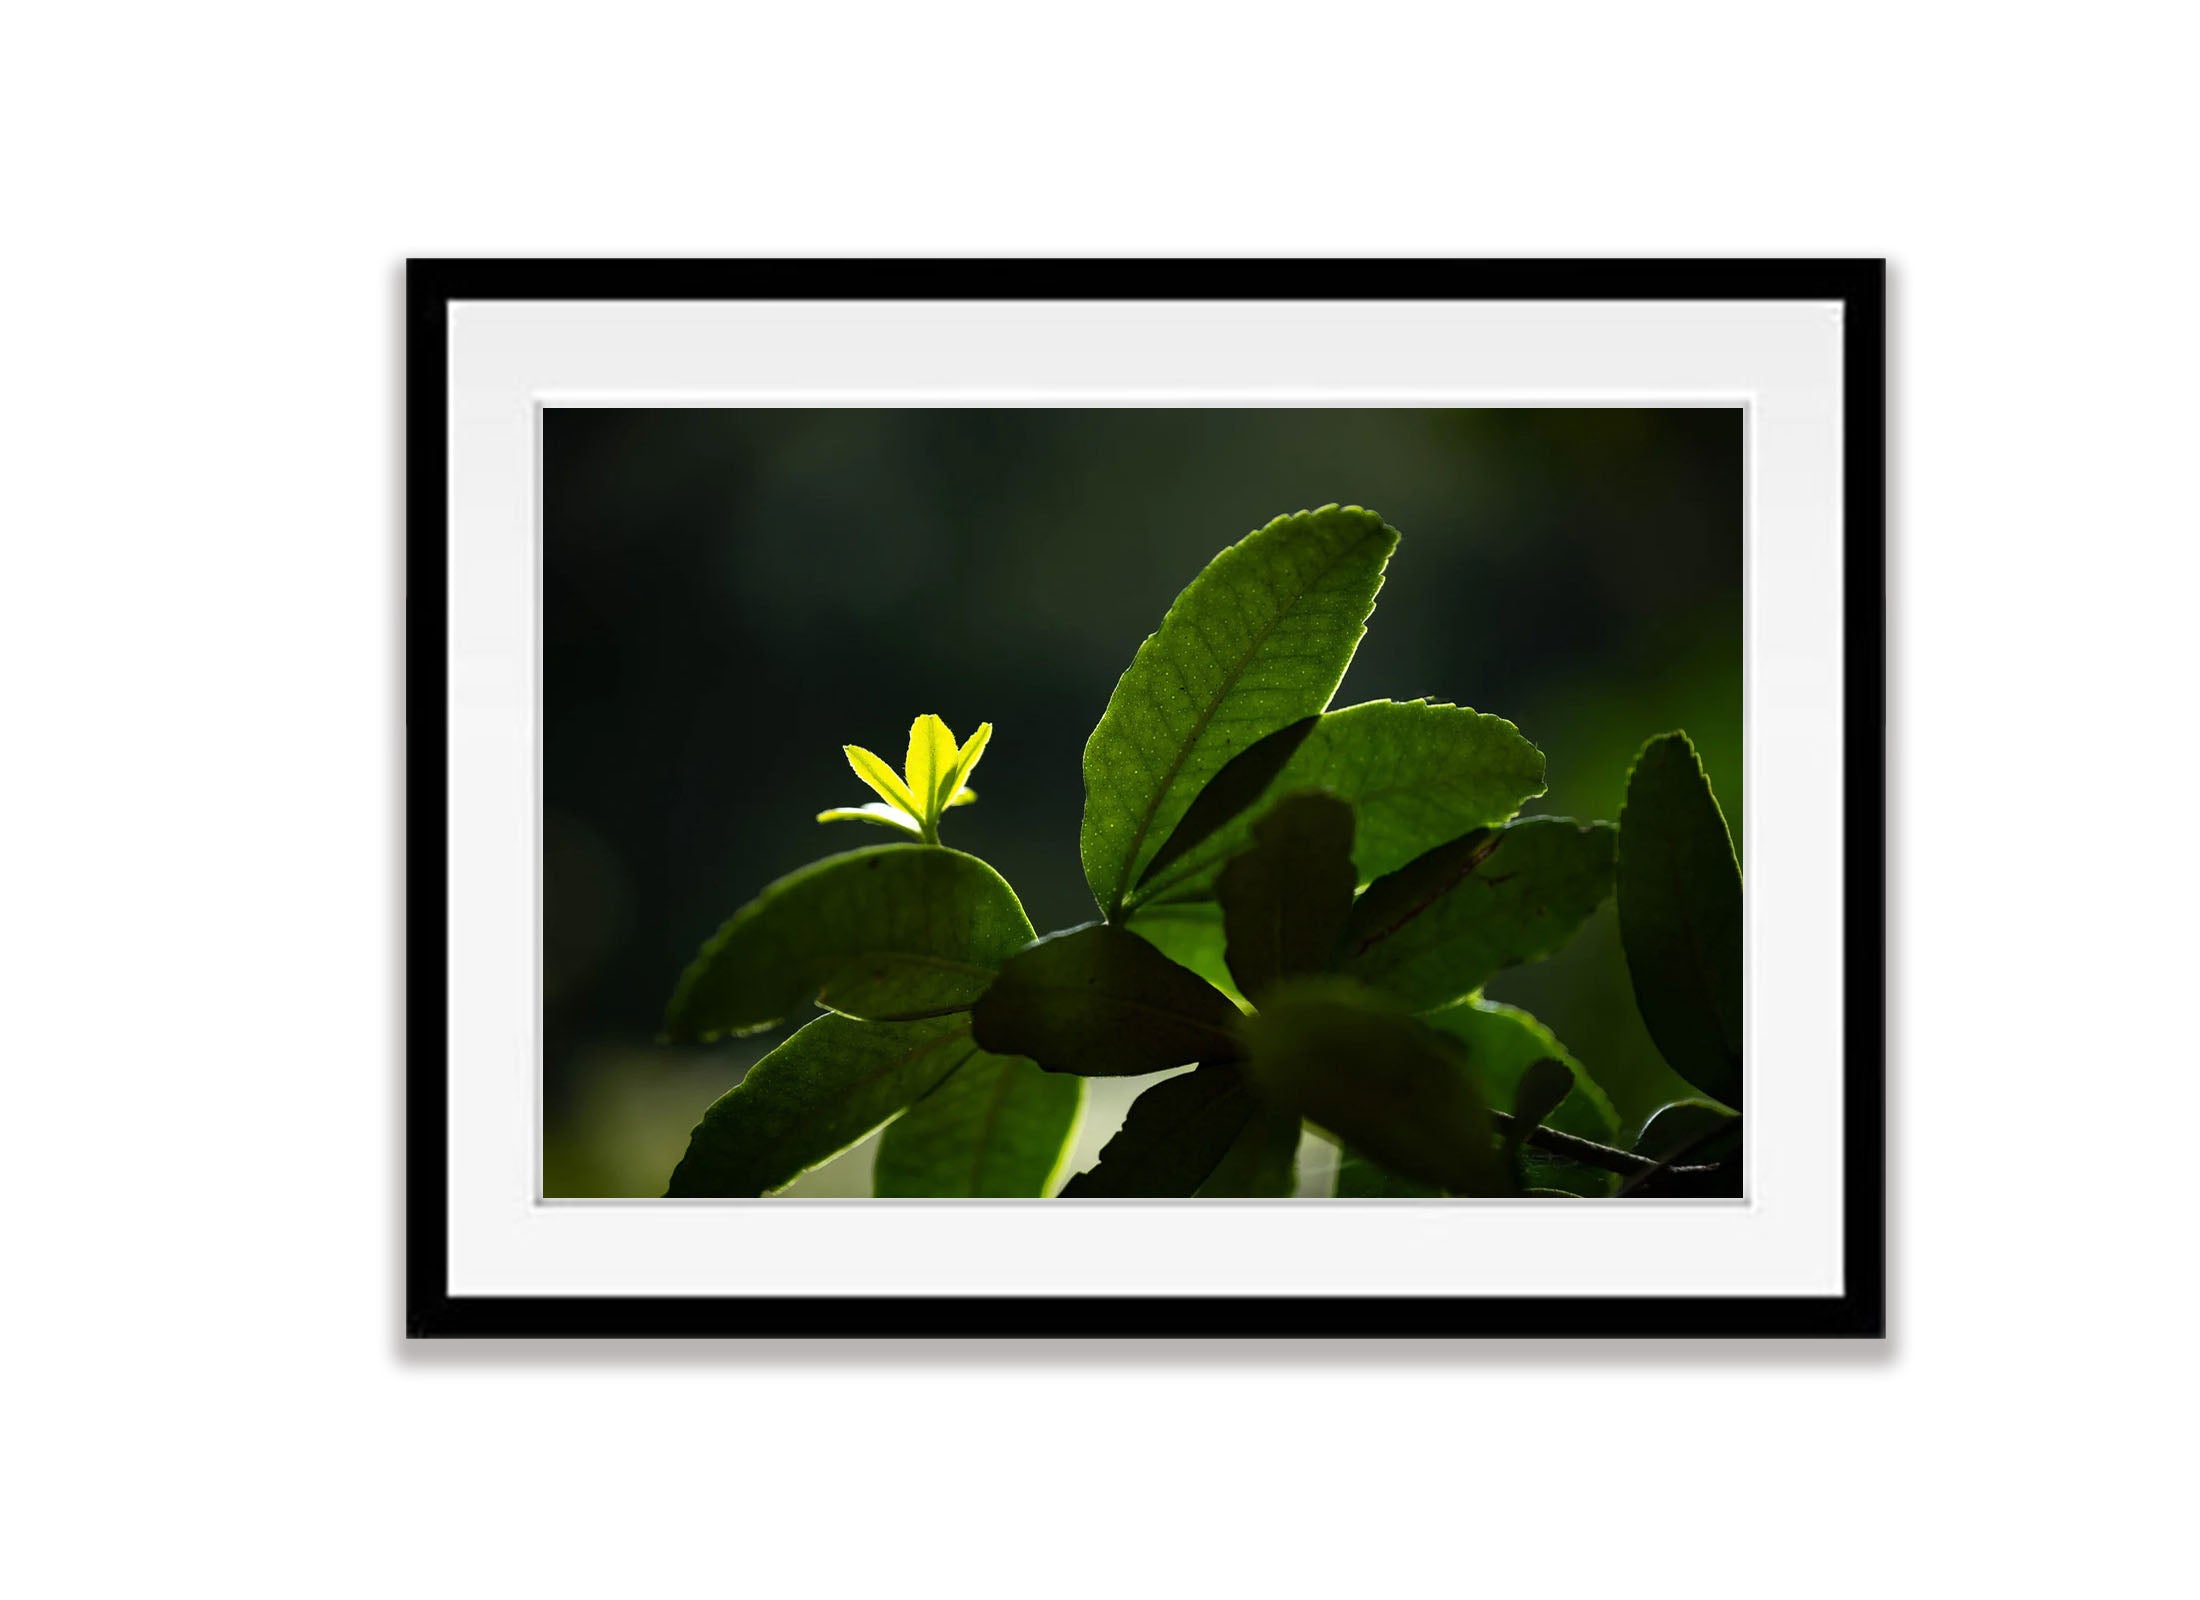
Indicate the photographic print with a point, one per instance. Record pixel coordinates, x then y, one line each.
1222 803
1142 798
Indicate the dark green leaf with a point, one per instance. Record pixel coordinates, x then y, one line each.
1680 917
1416 773
1700 1145
1257 641
1263 1164
1243 779
1175 1136
1502 1042
1502 1046
1285 901
1361 1178
1346 1059
1693 1131
890 933
1445 924
996 1127
1103 1003
823 1089
1542 1087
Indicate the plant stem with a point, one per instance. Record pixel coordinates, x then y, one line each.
1585 1151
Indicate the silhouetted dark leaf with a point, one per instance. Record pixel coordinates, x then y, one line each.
1103 1003
1350 1061
1285 901
1680 917
1542 1087
1175 1136
1263 1162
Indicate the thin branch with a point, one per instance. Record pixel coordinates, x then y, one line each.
1587 1152
1672 1163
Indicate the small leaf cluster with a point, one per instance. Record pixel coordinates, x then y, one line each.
1301 905
935 776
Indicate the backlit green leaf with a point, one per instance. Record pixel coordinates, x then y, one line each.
1103 1003
996 1127
1285 901
1502 1041
890 933
1680 917
957 789
881 776
873 811
823 1089
932 760
1443 925
1175 1136
1258 640
1416 773
1347 1059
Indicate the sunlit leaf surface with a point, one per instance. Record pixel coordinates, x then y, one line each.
888 933
877 812
880 775
931 763
997 1127
821 1091
1258 640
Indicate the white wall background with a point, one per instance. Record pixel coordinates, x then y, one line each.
206 207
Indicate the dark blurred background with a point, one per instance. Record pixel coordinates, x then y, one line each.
729 596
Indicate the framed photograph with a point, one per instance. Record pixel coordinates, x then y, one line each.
1156 798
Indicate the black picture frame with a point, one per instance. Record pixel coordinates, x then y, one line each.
432 1311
